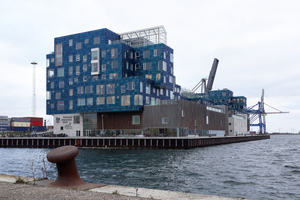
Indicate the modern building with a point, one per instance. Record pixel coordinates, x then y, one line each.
103 83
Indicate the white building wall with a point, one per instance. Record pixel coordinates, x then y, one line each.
237 124
64 124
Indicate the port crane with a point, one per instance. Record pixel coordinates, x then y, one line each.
258 112
205 88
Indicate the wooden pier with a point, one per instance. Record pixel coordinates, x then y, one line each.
125 142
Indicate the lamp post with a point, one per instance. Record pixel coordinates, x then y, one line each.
33 90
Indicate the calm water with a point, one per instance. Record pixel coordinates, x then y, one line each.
266 169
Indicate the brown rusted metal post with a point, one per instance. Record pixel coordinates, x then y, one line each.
64 157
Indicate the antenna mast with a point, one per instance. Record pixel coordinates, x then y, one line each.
33 90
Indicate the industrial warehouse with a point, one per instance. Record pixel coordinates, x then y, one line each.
100 83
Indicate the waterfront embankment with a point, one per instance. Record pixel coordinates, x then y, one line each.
10 190
125 142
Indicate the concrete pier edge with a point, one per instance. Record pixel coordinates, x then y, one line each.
114 192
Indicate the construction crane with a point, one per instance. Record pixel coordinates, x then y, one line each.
205 88
258 112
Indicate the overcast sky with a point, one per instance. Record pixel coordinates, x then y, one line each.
257 44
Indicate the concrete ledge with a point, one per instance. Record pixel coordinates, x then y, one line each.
8 190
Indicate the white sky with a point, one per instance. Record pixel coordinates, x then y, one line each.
257 44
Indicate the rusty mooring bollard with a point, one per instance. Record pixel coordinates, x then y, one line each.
64 157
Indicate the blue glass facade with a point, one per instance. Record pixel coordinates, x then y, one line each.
96 72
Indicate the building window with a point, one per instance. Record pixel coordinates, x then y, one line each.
131 67
131 55
100 89
123 88
77 133
85 78
86 41
113 75
207 120
138 100
77 57
70 42
80 90
50 73
52 85
153 101
111 100
165 120
171 95
61 84
95 78
148 76
70 71
162 65
75 79
114 64
71 105
146 54
103 53
70 92
125 100
137 67
60 105
110 88
78 45
58 54
158 76
130 85
58 95
70 58
85 68
165 55
48 95
170 79
100 100
103 76
161 91
171 57
137 55
81 102
76 119
60 72
95 54
136 119
147 65
141 87
78 70
147 100
47 62
103 67
88 89
84 58
52 105
95 68
114 53
148 88
156 52
96 40
89 101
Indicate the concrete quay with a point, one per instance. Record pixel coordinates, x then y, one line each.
10 190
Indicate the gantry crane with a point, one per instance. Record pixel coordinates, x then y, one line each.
260 114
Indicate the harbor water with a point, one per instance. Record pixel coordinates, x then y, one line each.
264 169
